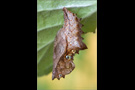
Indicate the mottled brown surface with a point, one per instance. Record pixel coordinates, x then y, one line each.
68 41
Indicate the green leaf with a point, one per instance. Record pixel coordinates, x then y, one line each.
50 19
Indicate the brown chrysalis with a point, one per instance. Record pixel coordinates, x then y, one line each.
68 41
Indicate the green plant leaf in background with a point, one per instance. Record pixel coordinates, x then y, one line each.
50 19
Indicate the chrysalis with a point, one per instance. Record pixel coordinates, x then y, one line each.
68 41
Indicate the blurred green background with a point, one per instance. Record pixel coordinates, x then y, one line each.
84 76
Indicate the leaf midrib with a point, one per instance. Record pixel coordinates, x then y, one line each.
62 24
62 8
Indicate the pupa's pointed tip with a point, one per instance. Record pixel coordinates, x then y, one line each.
64 8
86 47
53 77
